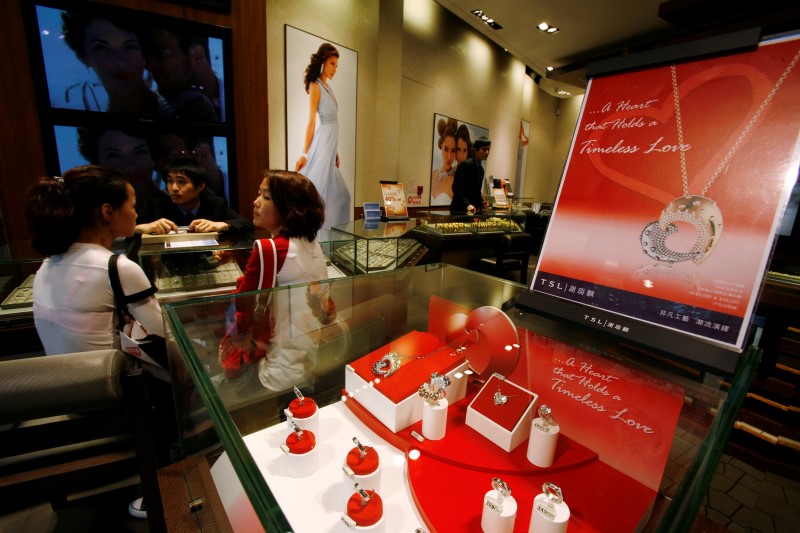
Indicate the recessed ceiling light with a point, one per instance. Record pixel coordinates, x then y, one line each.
489 21
547 28
549 69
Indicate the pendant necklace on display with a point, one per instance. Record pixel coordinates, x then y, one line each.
390 363
698 210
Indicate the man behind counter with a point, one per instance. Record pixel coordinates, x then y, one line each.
189 204
468 181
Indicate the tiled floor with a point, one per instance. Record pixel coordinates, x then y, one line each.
743 498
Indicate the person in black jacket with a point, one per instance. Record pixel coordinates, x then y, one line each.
189 204
468 182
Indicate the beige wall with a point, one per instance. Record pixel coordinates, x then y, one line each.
416 59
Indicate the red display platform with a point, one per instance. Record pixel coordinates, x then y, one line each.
464 462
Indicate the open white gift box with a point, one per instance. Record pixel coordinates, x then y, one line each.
502 412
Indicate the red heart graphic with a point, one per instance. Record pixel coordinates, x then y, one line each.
760 87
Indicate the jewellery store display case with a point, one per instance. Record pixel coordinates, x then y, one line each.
363 246
180 267
444 225
640 433
17 331
460 239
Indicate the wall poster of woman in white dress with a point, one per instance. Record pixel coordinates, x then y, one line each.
321 78
452 144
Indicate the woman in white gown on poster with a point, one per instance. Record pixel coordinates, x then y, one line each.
319 161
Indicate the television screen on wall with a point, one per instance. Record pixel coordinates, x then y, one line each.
99 68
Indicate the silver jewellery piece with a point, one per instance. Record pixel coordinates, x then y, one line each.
433 390
390 363
387 365
501 487
545 413
502 399
439 381
297 430
553 493
362 451
365 496
697 210
299 395
417 436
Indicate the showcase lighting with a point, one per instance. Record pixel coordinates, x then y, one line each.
489 21
547 28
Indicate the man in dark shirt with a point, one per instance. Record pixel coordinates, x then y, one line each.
468 181
189 204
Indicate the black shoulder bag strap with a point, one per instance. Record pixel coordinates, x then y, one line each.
119 296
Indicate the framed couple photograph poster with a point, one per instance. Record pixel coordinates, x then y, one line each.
452 145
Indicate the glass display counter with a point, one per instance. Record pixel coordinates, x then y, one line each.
16 286
362 246
638 434
187 265
17 331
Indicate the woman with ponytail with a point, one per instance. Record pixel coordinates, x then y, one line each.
74 220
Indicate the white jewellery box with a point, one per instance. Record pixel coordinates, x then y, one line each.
395 400
502 412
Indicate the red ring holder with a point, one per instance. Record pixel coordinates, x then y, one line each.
365 516
305 414
301 454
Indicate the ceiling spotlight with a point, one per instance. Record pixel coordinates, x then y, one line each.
547 28
549 69
486 19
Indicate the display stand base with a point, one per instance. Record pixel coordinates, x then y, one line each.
502 522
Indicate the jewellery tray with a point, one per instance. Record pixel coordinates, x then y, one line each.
394 400
176 237
507 425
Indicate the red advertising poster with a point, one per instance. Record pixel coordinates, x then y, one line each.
673 191
626 416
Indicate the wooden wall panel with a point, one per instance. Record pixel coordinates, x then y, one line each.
22 157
